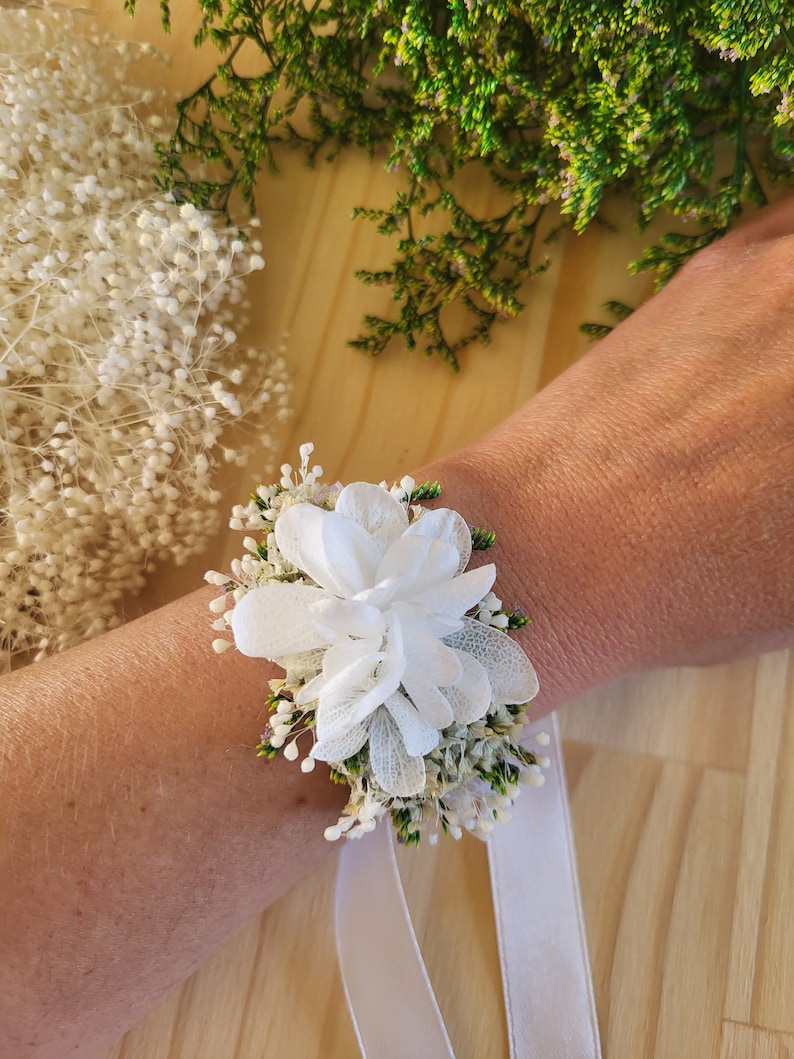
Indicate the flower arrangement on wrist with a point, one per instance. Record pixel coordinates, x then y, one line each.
399 670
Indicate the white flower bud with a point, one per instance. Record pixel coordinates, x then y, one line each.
291 751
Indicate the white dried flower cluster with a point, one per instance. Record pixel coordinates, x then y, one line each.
263 562
119 362
473 777
399 672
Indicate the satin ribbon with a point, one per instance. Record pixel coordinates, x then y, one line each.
546 979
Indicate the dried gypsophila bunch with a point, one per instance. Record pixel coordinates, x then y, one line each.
399 672
119 362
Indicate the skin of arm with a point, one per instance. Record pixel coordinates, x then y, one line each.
643 504
645 497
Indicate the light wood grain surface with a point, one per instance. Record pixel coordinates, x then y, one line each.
681 783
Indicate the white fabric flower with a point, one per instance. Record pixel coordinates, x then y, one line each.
388 605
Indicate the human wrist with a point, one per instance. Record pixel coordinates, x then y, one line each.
559 557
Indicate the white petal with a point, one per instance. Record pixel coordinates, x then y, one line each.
430 702
333 550
311 690
338 660
454 598
338 750
353 694
375 510
275 620
429 657
419 738
415 615
510 672
398 772
342 655
416 564
303 666
446 525
470 697
347 700
342 617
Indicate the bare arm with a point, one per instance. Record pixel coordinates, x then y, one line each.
139 828
643 504
645 498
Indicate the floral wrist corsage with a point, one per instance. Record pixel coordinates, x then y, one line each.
400 672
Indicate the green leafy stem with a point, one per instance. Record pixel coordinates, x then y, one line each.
685 106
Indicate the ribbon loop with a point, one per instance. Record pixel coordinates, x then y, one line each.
546 979
392 1004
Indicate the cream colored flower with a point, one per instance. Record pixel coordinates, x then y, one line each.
386 601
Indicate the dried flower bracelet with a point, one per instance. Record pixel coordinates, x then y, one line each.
399 670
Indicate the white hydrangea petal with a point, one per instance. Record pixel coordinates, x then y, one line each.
416 615
455 597
342 617
419 737
304 666
275 620
345 654
431 703
511 674
307 659
352 694
446 525
311 690
347 699
380 595
416 564
344 746
338 662
398 772
470 697
375 510
333 550
428 657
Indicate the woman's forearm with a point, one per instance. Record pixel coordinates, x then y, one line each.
139 828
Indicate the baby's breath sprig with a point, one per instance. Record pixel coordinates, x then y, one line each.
120 366
684 108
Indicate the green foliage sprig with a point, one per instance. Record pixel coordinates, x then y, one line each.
559 102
